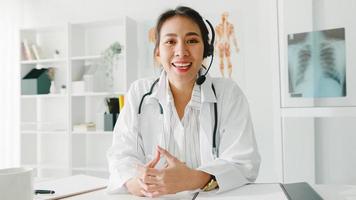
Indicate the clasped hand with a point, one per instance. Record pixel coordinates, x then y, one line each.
175 177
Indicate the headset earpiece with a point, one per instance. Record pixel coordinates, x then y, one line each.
210 47
209 52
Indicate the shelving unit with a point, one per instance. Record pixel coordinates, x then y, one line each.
95 57
48 142
42 61
316 134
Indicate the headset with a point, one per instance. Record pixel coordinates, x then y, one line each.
208 51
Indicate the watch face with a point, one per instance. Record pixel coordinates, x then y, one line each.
213 184
213 177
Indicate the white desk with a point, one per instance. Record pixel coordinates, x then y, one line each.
253 191
261 191
81 183
336 192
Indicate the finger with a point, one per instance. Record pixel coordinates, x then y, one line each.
151 194
149 187
154 161
156 194
146 194
169 157
145 171
151 180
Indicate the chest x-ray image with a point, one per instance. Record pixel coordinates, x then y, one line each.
317 64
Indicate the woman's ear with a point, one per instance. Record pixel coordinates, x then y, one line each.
156 52
157 56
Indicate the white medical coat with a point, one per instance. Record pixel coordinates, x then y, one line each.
136 137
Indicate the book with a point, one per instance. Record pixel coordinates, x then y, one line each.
249 191
300 191
69 186
35 52
28 53
84 127
121 101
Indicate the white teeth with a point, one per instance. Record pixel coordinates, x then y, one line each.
182 64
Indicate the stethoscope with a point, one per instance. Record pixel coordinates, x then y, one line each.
214 149
200 80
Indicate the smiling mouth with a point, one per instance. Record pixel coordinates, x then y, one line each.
182 65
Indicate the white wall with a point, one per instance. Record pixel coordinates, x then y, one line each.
336 139
257 26
10 20
335 150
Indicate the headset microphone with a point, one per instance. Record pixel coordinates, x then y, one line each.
201 79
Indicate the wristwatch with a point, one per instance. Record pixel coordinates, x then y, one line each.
212 184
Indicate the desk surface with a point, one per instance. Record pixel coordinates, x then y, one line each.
328 192
252 191
336 192
81 183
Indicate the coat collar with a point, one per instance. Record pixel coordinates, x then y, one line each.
160 93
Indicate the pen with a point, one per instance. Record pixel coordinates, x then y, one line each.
44 192
195 195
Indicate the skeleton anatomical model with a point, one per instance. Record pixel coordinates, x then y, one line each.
152 35
224 35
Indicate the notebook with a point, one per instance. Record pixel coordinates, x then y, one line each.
69 186
248 192
300 191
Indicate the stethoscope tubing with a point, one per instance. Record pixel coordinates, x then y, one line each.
214 149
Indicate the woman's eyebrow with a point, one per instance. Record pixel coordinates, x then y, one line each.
192 33
187 34
170 35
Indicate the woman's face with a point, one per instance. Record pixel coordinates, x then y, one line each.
180 49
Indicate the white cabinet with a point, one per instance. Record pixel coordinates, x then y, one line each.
48 140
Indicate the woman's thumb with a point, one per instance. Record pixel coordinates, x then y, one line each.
169 157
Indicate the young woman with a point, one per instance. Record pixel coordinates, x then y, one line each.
176 133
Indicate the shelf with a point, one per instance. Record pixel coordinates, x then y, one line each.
38 122
63 132
97 94
43 61
319 112
29 123
47 140
25 96
94 57
92 133
28 132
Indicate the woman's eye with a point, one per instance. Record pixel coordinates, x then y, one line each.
170 42
192 41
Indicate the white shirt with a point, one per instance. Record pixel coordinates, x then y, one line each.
183 135
137 135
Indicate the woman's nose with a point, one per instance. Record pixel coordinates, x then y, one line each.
181 49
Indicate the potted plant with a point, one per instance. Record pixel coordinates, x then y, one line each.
110 55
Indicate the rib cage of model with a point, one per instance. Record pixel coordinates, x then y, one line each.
316 65
224 36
